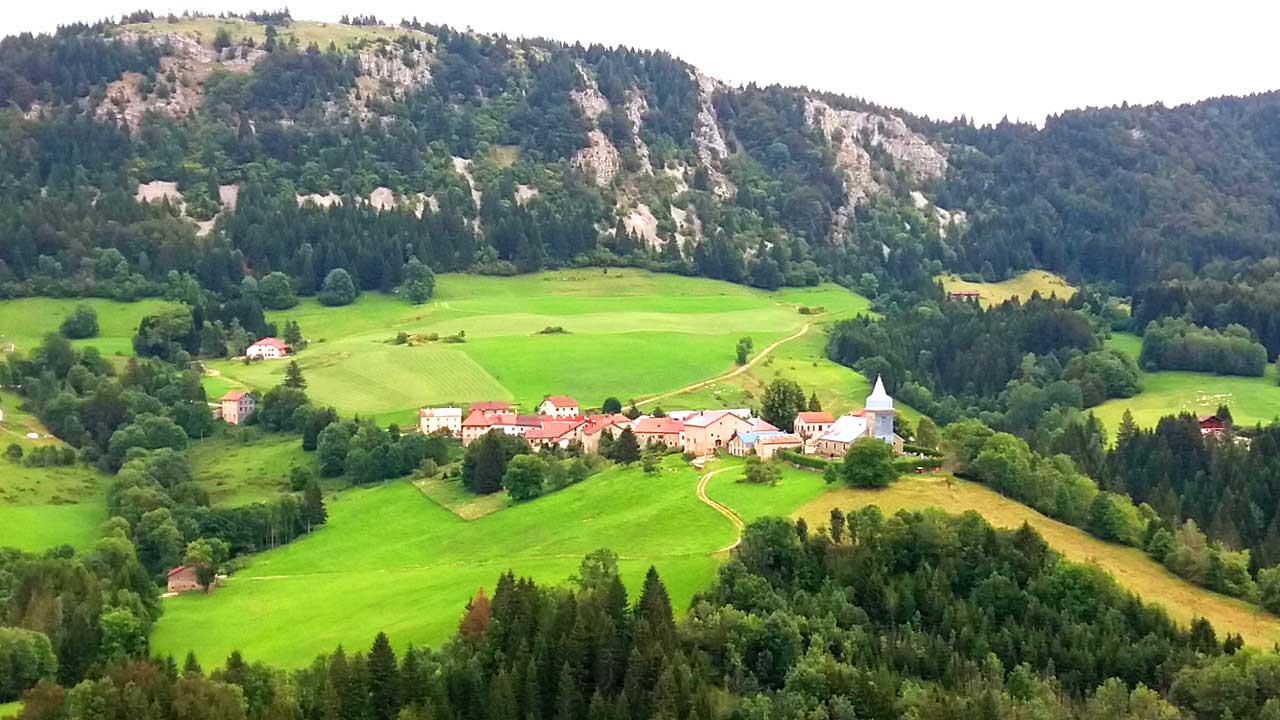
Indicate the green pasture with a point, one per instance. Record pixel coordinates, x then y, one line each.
204 29
1021 286
25 321
1167 392
630 334
391 559
43 507
239 466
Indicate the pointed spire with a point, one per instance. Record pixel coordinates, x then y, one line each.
879 399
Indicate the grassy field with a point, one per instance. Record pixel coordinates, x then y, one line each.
1131 567
1251 399
392 559
630 334
25 322
8 710
238 467
43 507
1046 283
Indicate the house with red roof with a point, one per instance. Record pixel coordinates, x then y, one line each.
658 431
560 406
182 579
555 433
1211 425
236 406
597 425
267 348
810 425
490 407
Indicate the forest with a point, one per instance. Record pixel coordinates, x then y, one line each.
916 615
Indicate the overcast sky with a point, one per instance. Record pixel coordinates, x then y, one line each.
1024 59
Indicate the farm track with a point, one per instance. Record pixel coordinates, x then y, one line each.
725 510
732 373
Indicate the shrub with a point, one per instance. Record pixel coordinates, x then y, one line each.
81 323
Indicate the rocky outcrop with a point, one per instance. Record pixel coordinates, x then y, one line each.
851 132
709 139
688 225
946 218
641 222
636 108
159 191
525 193
599 160
386 66
326 201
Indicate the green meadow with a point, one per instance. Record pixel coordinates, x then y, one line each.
239 466
1251 399
392 559
630 334
1020 286
43 507
25 321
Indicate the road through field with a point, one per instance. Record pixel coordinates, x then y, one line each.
724 510
732 373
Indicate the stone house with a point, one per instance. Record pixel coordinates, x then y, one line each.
237 406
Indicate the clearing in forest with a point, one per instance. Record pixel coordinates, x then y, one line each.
1021 286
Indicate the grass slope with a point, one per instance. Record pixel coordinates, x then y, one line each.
1046 283
26 321
204 29
43 507
1251 399
631 334
242 466
1131 567
391 559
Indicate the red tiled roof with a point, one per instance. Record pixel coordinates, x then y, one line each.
706 418
552 430
234 395
561 401
176 570
490 405
758 425
815 417
272 342
657 426
477 419
528 420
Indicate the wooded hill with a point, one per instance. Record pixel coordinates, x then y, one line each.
268 144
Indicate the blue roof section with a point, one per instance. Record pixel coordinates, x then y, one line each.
749 438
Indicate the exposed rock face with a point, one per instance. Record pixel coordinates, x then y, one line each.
158 191
851 131
709 139
599 159
636 107
229 195
326 201
593 104
641 222
946 218
462 166
525 193
382 198
188 64
688 225
386 66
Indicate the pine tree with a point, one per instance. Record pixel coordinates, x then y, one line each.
654 606
293 376
313 510
292 333
814 405
384 680
476 620
626 449
191 667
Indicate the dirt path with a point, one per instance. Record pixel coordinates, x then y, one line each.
732 373
721 508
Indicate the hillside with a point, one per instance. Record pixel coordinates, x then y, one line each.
239 146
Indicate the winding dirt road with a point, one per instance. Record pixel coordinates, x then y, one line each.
732 373
724 510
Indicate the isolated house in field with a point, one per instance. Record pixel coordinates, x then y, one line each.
267 349
237 406
658 431
710 430
182 579
874 420
448 419
813 424
1212 425
559 406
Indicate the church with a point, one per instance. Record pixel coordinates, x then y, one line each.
875 419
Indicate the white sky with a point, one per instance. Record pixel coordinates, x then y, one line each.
1024 59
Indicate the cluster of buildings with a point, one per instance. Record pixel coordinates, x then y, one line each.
559 422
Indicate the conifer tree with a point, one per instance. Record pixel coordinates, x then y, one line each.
384 680
654 606
293 376
313 510
626 449
814 405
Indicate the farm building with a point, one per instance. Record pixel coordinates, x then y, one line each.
491 407
763 444
659 431
811 425
1212 425
560 406
448 419
268 348
964 295
708 431
874 420
598 425
237 406
555 433
182 579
